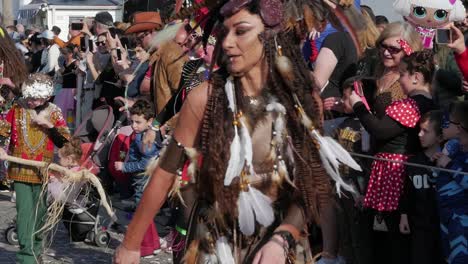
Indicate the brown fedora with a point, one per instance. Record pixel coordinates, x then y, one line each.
144 21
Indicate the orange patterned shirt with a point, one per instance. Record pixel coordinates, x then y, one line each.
30 141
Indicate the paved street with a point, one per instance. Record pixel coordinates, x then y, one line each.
62 249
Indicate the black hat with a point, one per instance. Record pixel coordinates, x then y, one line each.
56 30
104 18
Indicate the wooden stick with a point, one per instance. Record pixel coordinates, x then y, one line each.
71 175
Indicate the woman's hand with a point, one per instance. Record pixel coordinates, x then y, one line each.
333 103
123 255
354 98
458 43
271 253
118 165
41 120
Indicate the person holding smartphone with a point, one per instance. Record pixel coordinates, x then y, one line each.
459 48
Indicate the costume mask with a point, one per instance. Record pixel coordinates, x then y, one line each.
429 15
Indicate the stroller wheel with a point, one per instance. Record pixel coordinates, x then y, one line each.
11 236
90 236
102 239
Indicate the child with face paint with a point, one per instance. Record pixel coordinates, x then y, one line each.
428 15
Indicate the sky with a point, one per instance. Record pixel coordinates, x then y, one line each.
383 7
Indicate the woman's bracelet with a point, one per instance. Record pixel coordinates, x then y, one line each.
287 238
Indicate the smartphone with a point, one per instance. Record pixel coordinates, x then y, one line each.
85 44
77 26
112 32
90 45
443 36
119 54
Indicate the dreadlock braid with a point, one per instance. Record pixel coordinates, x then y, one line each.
14 67
314 188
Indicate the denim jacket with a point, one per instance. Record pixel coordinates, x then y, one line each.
138 158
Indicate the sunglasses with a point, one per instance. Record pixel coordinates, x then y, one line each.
100 43
391 49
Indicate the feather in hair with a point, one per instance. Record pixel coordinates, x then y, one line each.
284 66
246 143
224 251
236 162
262 208
283 173
246 215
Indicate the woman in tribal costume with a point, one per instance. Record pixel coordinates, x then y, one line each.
247 160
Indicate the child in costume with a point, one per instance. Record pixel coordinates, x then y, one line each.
69 157
142 116
429 15
418 205
34 126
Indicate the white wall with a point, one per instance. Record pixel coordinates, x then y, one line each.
61 18
383 7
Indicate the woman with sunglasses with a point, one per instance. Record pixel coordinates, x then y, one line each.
452 195
396 134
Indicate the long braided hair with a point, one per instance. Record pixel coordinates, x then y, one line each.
14 67
313 186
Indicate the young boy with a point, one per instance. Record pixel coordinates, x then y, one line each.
453 196
418 204
142 115
34 126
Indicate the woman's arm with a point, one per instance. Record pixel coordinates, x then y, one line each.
161 181
324 67
382 129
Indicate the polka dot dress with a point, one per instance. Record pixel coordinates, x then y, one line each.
386 180
385 183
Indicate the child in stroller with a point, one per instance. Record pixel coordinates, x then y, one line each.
81 202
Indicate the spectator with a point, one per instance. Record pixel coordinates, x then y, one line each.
452 194
398 135
381 22
419 212
37 46
50 54
142 115
64 99
460 50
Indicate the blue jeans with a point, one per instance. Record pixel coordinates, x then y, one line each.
138 183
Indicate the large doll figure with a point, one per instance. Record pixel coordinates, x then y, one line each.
429 15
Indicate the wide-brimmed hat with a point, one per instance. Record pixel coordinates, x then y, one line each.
144 21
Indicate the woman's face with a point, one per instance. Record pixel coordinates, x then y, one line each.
241 43
391 52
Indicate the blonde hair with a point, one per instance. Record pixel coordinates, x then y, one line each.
368 37
404 31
